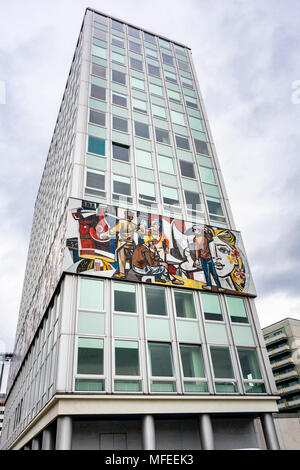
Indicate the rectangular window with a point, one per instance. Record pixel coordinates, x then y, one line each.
149 38
161 364
159 111
97 33
201 147
134 47
118 77
170 195
167 59
249 363
115 57
133 32
155 89
187 169
182 142
98 92
237 309
193 201
155 301
214 206
143 158
121 185
184 302
222 364
120 100
95 179
121 152
152 70
90 356
96 145
97 118
141 130
139 105
207 175
120 124
162 136
192 361
170 77
177 118
99 71
124 297
116 41
136 64
211 307
150 53
117 25
173 95
136 83
146 190
127 358
165 164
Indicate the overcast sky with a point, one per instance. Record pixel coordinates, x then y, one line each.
246 55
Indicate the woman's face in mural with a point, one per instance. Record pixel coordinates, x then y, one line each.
221 255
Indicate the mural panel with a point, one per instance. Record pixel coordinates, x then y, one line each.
122 244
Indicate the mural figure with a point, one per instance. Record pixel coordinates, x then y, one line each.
159 239
227 259
203 237
124 231
146 261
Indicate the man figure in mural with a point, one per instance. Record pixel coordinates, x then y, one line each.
124 232
203 237
146 261
159 239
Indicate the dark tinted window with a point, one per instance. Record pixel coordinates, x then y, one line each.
98 92
133 46
182 142
99 34
193 200
141 130
162 136
117 41
120 100
121 152
120 124
117 25
97 117
201 147
149 38
98 70
95 180
133 32
119 77
153 70
187 169
167 59
136 64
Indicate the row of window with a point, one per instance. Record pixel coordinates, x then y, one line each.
127 367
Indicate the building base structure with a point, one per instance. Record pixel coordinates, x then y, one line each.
142 423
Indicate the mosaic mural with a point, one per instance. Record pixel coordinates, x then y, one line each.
122 244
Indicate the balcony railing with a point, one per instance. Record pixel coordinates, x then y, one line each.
282 363
278 350
275 338
287 375
287 390
289 404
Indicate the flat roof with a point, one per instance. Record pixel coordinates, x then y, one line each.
136 27
280 321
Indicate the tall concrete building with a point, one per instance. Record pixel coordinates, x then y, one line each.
283 346
137 326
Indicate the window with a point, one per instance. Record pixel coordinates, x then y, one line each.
207 175
95 179
162 136
184 302
99 70
115 57
120 100
127 358
143 158
173 95
193 201
97 33
136 64
160 359
125 297
121 185
134 47
159 111
237 309
116 41
170 195
121 152
146 190
139 105
98 92
182 142
165 164
149 38
170 77
150 53
167 59
249 363
221 362
177 118
187 169
96 145
211 307
155 301
117 25
214 206
155 89
120 124
201 147
133 32
192 361
136 83
119 77
152 70
183 65
90 356
141 130
97 118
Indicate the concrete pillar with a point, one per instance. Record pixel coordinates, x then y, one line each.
48 439
269 432
148 432
206 432
64 433
36 445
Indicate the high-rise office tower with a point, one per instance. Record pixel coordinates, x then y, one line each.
137 326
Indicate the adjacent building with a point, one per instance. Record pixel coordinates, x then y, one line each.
137 326
283 346
2 407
